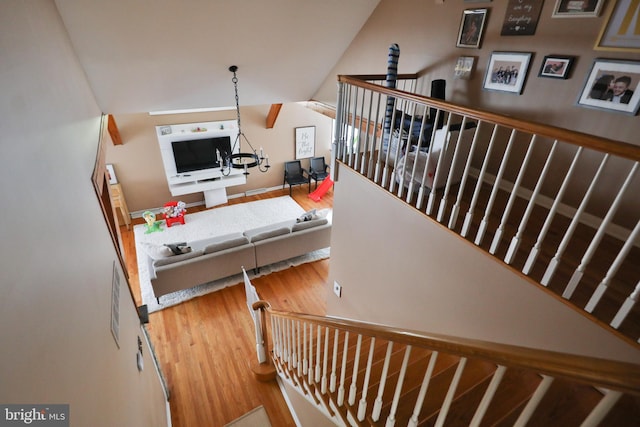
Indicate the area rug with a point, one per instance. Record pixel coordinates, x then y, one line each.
212 223
255 418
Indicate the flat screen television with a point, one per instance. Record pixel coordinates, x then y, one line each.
198 154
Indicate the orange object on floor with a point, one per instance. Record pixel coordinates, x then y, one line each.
317 194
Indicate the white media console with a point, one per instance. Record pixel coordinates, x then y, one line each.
210 181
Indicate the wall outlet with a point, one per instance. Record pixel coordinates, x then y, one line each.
337 289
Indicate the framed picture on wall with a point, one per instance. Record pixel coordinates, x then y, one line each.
577 8
506 71
521 17
471 27
556 67
612 85
305 142
464 67
621 29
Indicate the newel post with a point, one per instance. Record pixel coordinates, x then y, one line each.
264 370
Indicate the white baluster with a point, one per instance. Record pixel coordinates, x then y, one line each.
476 192
512 196
413 421
334 361
515 241
318 355
362 407
305 361
310 371
533 255
377 406
354 375
495 190
553 264
626 307
288 331
343 370
591 250
325 360
299 356
391 419
456 207
444 410
533 403
615 266
488 396
602 409
452 168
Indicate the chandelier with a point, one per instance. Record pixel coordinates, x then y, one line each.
240 159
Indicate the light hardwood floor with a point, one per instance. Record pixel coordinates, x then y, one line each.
206 346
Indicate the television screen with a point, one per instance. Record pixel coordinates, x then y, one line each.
198 154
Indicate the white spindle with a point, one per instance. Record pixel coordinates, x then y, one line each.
362 407
343 370
444 410
452 168
455 210
364 166
595 242
476 192
513 196
533 255
318 355
377 405
391 419
602 409
488 396
374 143
305 361
311 366
515 241
325 360
354 376
413 421
299 352
613 269
495 190
334 362
358 148
288 334
533 403
626 307
410 191
426 171
553 264
274 333
434 183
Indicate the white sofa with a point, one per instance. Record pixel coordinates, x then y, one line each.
223 256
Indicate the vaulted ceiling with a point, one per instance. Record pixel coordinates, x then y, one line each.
150 55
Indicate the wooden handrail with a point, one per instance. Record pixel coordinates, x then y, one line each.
620 376
601 144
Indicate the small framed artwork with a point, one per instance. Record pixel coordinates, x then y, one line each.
464 67
506 71
521 17
111 174
612 85
305 142
556 67
471 27
577 8
621 31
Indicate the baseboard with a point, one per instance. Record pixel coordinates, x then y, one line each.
587 219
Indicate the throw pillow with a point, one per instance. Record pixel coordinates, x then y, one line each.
179 248
156 251
226 244
307 216
308 224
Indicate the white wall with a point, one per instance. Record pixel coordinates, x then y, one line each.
57 257
399 268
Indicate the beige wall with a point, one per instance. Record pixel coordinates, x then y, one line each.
56 262
426 33
138 164
400 269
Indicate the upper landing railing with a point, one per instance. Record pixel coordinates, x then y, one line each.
560 206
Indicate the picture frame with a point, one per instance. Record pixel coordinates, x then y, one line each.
612 85
464 67
577 8
617 33
521 17
305 142
507 71
556 66
472 28
111 174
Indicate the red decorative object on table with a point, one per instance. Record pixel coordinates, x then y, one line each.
174 213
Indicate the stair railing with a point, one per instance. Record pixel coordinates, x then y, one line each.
523 191
359 373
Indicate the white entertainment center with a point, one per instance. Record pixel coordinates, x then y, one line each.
209 180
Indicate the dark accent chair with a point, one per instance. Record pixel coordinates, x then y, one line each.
295 174
318 169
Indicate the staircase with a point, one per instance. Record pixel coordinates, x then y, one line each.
360 374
